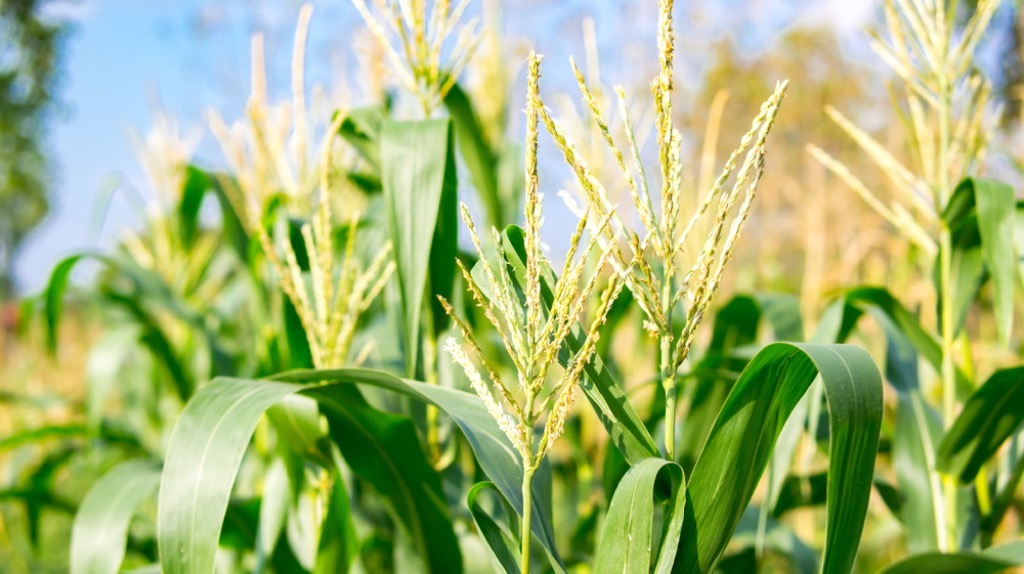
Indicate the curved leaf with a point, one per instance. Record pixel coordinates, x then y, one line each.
214 430
500 540
738 448
100 531
838 322
627 536
210 440
990 416
981 214
495 454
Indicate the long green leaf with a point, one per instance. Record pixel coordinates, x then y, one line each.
420 190
627 538
990 416
741 442
915 436
100 530
495 454
987 208
213 431
735 325
500 540
210 440
839 321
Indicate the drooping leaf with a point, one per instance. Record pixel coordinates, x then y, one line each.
918 428
990 416
420 190
213 431
100 531
741 442
985 209
500 539
839 321
210 440
492 449
628 538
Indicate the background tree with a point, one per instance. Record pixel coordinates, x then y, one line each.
28 66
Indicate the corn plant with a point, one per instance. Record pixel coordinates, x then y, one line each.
963 233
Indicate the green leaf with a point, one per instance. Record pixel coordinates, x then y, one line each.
492 449
103 369
990 416
478 155
197 183
738 448
206 451
500 539
420 190
100 530
627 538
31 436
986 209
606 396
361 128
210 440
915 435
338 542
838 322
735 325
995 559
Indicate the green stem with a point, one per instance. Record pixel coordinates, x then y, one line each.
524 535
529 467
431 375
668 381
948 371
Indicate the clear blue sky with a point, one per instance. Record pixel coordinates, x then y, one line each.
126 59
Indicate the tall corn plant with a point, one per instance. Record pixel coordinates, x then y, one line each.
964 233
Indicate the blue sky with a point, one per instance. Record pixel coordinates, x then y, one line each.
125 60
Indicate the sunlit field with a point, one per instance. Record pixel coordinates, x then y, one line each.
489 311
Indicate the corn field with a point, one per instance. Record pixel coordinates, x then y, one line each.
350 348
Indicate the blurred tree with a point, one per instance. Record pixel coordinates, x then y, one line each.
1006 40
28 63
795 193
